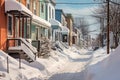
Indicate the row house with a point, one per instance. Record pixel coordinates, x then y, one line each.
69 20
64 33
15 25
40 27
21 20
51 16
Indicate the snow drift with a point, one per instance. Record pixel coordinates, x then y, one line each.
107 69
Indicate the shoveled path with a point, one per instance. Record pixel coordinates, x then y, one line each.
75 69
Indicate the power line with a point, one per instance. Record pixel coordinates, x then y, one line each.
114 3
77 3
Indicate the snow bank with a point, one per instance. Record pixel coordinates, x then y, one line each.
107 69
25 73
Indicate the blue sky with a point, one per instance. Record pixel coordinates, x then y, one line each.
76 1
83 11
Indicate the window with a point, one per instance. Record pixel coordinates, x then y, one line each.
42 8
10 25
28 4
34 7
49 12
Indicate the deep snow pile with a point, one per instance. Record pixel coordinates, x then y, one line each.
26 73
107 69
41 69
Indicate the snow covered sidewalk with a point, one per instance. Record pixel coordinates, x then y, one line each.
74 68
64 62
61 65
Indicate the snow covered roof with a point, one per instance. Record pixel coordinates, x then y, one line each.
55 22
65 30
41 21
13 5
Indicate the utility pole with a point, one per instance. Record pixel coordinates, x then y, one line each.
108 28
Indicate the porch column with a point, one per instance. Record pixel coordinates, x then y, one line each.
19 24
26 29
30 26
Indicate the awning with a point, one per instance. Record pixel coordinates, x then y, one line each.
55 22
13 5
65 30
41 21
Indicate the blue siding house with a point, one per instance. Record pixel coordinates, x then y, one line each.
60 16
58 13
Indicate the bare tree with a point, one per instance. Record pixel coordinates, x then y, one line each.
114 18
83 25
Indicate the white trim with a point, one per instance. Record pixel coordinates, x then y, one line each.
8 25
41 21
55 22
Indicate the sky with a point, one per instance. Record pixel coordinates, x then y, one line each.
82 11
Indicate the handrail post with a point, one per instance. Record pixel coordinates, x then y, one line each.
7 44
7 65
19 61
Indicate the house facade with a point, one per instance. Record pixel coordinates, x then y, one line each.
69 20
23 20
40 26
3 26
50 5
50 15
56 30
60 16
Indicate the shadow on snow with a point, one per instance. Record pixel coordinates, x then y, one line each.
69 76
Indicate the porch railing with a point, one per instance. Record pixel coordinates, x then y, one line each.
16 42
13 42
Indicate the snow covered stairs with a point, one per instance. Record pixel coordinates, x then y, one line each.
27 58
24 49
